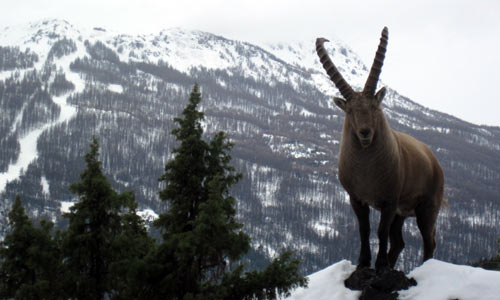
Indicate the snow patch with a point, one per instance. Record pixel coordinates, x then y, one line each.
45 185
66 205
148 215
67 111
116 88
440 280
345 197
324 228
328 284
307 113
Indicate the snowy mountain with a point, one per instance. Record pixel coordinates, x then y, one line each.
436 280
60 84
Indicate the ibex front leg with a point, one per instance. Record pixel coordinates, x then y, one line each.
362 212
387 214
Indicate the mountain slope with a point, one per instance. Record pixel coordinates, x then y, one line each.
60 85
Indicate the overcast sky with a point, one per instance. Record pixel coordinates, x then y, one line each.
442 54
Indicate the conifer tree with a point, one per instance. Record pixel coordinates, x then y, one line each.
30 259
94 224
201 238
131 247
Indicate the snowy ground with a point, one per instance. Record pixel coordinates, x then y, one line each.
436 280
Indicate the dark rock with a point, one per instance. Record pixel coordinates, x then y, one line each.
359 279
378 286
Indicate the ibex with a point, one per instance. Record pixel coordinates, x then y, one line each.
383 168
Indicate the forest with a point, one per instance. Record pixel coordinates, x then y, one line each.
106 252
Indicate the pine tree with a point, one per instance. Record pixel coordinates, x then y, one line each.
131 247
201 237
30 259
94 224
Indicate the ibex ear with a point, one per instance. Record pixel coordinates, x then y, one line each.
379 96
340 102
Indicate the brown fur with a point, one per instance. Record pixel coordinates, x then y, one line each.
385 169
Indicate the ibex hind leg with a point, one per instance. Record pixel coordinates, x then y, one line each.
396 239
426 214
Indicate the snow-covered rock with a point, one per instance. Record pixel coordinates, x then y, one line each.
436 280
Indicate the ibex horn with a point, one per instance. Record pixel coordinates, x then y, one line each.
371 82
344 88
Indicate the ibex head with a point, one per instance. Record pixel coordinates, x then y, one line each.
362 109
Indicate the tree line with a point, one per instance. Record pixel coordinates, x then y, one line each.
106 252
